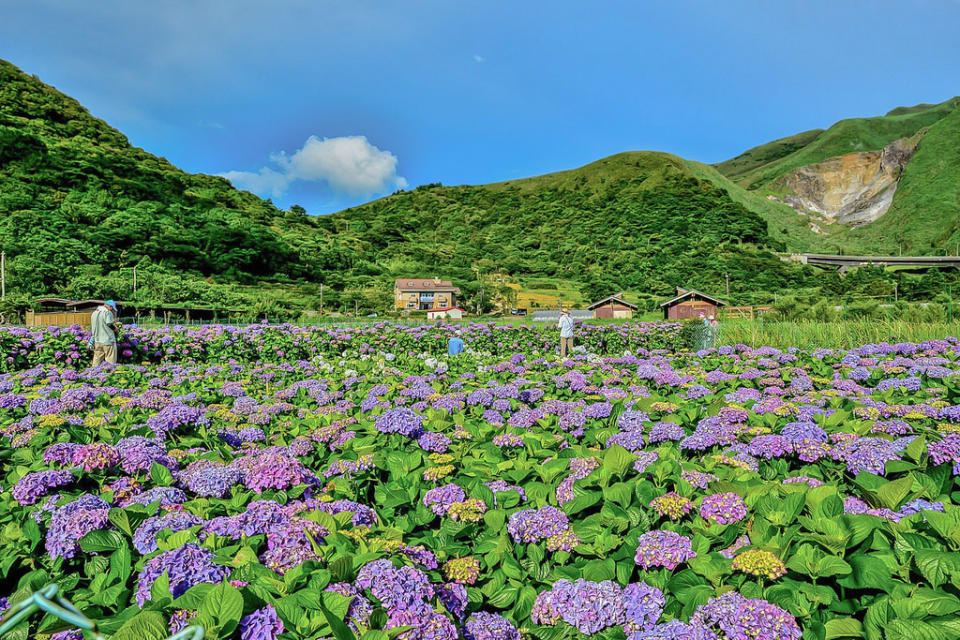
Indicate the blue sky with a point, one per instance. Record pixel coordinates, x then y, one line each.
328 103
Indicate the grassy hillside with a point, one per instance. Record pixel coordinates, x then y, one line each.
787 229
637 220
925 214
785 226
759 166
757 157
80 206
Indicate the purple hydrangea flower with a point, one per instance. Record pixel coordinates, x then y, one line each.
662 548
401 420
735 616
262 624
723 508
436 442
489 626
72 521
208 478
145 537
34 486
531 525
405 588
185 567
439 499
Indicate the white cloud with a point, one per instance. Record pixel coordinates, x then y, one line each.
349 164
266 181
478 58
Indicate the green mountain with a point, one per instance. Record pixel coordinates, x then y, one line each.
80 206
640 220
836 177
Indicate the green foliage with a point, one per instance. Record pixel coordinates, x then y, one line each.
80 208
846 552
77 200
760 165
639 221
923 217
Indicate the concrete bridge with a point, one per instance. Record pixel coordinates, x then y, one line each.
845 262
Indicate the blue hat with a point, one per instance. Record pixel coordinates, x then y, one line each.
111 303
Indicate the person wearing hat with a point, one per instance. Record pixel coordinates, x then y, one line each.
455 345
104 337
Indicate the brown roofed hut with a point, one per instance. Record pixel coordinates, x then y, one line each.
690 304
613 307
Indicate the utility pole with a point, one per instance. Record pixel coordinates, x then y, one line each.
134 280
900 245
896 297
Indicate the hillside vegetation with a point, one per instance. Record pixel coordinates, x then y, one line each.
924 216
761 165
79 203
80 207
635 220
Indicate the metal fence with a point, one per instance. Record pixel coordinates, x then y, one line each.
49 601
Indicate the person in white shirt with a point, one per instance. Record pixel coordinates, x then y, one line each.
566 333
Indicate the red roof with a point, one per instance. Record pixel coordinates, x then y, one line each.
445 309
421 284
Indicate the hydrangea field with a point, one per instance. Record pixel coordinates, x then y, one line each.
330 483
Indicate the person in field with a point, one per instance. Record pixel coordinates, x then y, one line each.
104 337
455 345
714 327
566 333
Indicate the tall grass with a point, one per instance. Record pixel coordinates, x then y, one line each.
832 335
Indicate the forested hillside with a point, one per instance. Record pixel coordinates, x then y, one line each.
79 202
638 220
80 207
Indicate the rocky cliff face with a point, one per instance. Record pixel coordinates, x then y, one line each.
852 189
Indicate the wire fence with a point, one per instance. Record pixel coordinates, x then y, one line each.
48 601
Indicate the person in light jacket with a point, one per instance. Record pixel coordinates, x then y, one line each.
455 345
104 337
566 333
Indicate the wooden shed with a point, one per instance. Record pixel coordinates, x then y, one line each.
60 312
690 304
613 307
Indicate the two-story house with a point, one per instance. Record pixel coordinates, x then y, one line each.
414 294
